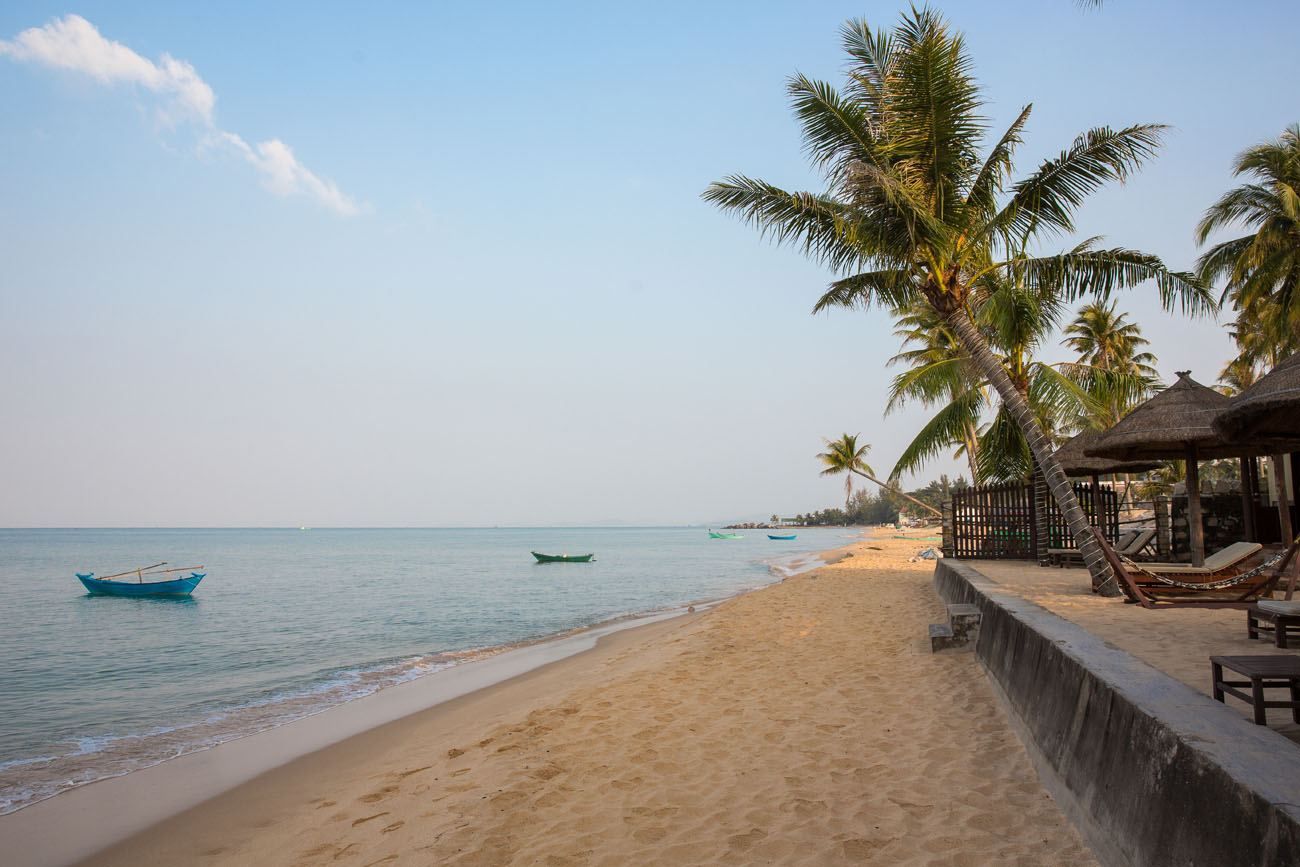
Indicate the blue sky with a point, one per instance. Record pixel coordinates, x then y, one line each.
473 283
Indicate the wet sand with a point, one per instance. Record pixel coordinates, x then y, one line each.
806 723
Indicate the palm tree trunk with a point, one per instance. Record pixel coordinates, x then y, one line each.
991 368
894 490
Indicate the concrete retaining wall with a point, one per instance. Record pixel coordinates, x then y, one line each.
1151 771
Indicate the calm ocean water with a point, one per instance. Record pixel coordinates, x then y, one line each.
290 622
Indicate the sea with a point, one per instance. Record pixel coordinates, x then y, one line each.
289 623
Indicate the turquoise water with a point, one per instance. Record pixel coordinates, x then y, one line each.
290 622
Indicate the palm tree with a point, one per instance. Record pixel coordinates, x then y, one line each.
1015 319
1105 339
1113 366
844 455
1261 269
913 213
1237 376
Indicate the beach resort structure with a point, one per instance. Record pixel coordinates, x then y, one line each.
1168 727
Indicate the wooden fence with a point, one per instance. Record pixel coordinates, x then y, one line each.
999 522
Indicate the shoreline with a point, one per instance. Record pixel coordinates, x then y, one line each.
39 830
807 724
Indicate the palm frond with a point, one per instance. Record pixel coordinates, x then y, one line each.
945 431
836 132
929 382
1048 198
981 200
817 224
1098 273
891 288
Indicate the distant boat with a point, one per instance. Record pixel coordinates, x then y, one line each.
106 586
714 535
789 538
563 558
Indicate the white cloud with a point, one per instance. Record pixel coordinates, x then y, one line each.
73 43
283 175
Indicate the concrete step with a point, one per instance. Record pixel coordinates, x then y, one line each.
960 632
941 637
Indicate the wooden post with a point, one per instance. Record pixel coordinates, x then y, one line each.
1096 503
1195 531
1164 532
948 543
1042 520
1283 504
1247 502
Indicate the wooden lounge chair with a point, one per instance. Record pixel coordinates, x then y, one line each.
1220 561
1149 588
1129 544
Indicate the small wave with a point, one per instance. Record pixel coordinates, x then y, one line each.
26 781
794 565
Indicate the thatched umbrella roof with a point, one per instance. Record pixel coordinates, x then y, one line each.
1166 425
1076 462
1176 423
1268 413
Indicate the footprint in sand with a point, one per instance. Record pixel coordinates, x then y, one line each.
741 842
365 819
627 785
388 829
913 809
372 797
549 772
404 774
858 848
507 799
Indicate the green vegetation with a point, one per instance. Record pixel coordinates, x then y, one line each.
913 215
845 456
868 509
1111 375
1261 269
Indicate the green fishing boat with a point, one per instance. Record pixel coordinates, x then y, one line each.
715 535
563 558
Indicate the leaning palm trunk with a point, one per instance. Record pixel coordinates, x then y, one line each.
1017 407
893 490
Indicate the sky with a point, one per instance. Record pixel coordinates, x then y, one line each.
446 264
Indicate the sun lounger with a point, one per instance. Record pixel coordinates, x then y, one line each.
1129 544
1228 589
1220 561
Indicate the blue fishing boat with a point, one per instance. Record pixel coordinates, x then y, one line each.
789 538
107 586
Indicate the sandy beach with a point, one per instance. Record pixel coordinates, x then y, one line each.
806 723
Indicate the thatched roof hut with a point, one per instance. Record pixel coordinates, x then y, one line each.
1166 425
1268 413
1074 459
1176 423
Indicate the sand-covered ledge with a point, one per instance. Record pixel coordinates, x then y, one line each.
805 723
